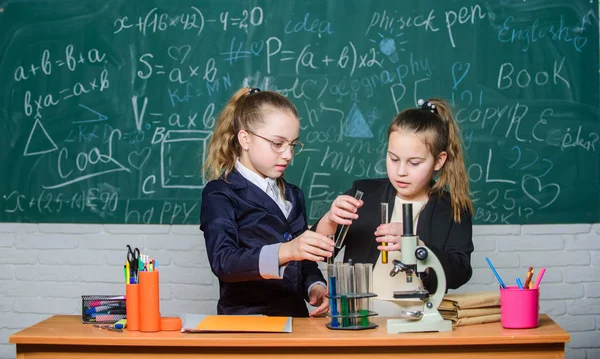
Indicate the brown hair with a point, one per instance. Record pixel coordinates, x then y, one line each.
441 133
244 111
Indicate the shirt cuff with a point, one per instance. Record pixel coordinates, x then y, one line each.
310 286
268 262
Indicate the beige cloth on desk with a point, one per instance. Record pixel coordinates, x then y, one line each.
471 308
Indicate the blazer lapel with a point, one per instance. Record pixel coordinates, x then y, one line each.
255 195
296 218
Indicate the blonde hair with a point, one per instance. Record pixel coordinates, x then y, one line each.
244 111
441 133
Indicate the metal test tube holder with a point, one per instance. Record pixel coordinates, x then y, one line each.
417 259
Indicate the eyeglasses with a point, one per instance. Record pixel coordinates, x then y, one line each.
282 146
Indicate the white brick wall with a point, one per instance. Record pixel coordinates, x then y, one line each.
45 268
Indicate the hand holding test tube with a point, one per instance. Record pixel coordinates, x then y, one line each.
344 230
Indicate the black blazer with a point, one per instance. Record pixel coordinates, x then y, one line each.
238 219
451 242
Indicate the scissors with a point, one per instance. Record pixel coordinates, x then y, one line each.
133 257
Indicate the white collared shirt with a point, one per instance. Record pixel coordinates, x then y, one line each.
268 185
268 260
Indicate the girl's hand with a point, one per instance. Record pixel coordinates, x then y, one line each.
309 245
391 234
343 210
317 299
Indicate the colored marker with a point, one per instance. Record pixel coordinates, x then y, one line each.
495 273
519 283
121 324
97 303
539 278
102 308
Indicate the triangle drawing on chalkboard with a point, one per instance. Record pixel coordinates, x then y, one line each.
355 125
40 146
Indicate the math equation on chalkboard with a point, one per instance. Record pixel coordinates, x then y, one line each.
107 107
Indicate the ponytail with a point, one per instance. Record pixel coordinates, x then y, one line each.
223 147
453 175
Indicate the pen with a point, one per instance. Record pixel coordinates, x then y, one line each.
519 283
101 308
539 278
97 303
495 273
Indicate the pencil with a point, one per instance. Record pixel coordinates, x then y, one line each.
528 278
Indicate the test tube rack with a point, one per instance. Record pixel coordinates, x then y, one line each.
350 290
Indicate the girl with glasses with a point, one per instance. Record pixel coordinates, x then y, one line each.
254 222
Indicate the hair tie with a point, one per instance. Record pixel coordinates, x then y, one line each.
426 105
254 90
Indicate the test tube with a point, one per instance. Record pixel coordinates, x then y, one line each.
361 289
332 279
384 220
369 283
343 293
351 279
344 230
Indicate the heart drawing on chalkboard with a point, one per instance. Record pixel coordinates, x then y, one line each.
537 191
138 159
256 47
179 53
458 72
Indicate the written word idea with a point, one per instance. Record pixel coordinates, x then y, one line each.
108 106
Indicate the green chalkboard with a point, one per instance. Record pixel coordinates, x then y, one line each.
106 107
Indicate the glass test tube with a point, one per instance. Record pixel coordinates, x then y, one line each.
343 293
332 279
361 289
369 284
384 220
342 233
351 279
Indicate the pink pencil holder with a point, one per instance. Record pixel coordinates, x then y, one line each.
519 308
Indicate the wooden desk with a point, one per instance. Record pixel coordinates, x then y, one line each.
63 336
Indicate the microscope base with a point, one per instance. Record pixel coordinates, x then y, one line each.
431 322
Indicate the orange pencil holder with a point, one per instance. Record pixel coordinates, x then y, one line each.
132 305
149 302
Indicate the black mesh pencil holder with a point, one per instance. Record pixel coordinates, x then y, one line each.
102 309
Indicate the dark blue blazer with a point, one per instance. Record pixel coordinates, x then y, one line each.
238 219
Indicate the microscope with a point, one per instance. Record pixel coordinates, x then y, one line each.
415 260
